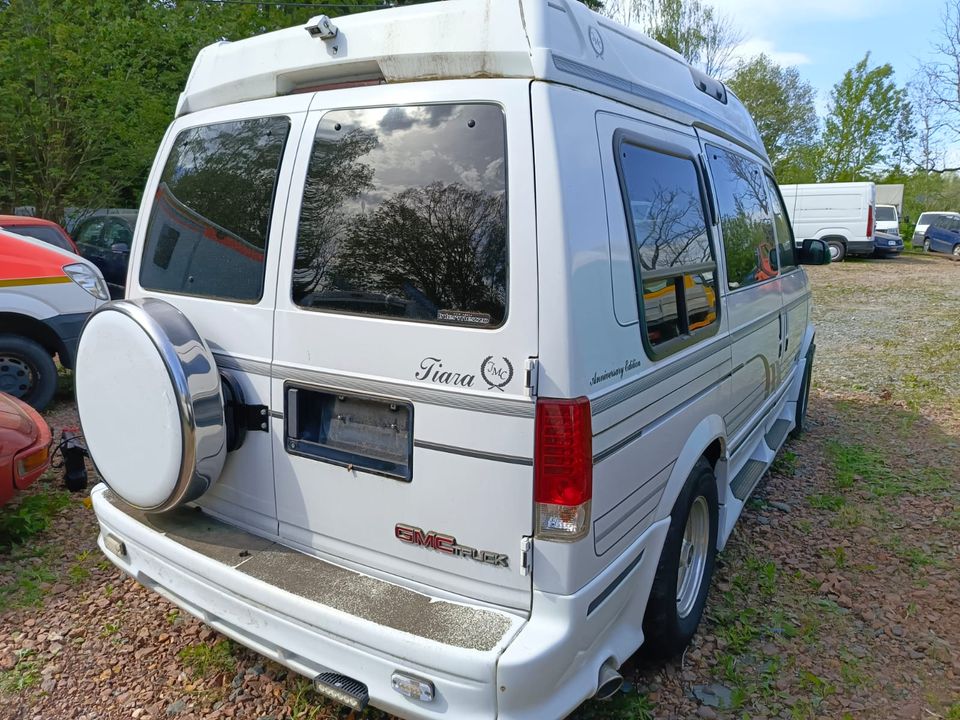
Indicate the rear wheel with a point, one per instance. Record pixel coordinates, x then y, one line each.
956 251
926 244
837 250
27 371
683 577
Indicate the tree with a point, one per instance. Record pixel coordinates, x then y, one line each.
866 122
783 106
705 37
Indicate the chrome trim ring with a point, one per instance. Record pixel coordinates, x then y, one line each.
694 549
195 383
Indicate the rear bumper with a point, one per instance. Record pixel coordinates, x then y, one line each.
537 668
67 328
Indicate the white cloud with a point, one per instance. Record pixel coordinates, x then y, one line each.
757 15
758 46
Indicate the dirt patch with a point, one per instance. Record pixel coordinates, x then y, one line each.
835 598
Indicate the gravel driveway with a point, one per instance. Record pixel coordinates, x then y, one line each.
835 598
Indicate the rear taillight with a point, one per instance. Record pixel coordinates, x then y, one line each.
870 221
563 468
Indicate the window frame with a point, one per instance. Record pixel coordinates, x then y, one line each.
284 149
793 238
710 143
311 130
687 338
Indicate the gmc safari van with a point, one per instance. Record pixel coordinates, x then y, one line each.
841 214
456 337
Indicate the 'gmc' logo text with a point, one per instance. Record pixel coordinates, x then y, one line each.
447 544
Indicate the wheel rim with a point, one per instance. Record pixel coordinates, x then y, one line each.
926 246
693 556
834 252
956 251
16 376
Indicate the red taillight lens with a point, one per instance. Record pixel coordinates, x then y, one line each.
563 468
870 221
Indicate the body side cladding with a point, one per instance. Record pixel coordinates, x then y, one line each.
710 429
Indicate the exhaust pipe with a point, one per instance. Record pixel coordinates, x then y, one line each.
609 681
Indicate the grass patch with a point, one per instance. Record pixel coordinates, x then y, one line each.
826 501
204 659
635 706
785 463
30 516
25 576
24 674
856 465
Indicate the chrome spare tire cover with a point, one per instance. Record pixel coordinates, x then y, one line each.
150 403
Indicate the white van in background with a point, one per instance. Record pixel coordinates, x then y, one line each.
842 214
888 220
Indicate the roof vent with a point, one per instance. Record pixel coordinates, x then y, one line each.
709 86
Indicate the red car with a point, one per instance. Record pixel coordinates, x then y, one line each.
24 446
45 230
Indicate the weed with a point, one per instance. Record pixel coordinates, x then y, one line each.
30 516
110 629
826 501
23 675
202 659
785 463
172 617
635 706
27 586
814 683
78 573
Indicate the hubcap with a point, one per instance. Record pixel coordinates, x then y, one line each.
834 252
693 556
956 250
16 376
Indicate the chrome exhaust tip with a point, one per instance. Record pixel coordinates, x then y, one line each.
609 681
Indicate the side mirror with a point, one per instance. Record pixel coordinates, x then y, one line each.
120 248
814 252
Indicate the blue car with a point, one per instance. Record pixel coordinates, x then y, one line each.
886 244
943 237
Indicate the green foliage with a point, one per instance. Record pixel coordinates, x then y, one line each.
25 674
30 516
867 121
783 106
203 659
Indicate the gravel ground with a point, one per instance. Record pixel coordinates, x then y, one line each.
835 598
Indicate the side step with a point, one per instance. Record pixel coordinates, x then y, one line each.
747 479
777 434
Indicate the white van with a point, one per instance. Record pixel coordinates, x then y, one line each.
926 220
888 220
457 336
841 214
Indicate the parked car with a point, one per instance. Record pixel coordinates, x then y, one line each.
924 221
40 229
448 415
105 241
887 244
888 220
841 214
24 446
943 236
46 295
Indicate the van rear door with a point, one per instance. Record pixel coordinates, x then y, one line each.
406 323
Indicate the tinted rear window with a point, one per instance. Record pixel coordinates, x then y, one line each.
886 214
404 215
208 227
43 233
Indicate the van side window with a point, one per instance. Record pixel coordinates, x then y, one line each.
745 219
782 229
208 227
673 257
405 215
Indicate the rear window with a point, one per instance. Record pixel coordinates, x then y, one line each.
43 233
886 214
208 227
404 215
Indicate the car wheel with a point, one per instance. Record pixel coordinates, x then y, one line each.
803 398
926 244
956 251
686 565
837 250
27 371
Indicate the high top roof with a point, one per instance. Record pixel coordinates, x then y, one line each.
557 40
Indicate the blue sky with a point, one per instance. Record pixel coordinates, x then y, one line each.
824 38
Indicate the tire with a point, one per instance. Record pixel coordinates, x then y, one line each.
27 371
837 250
926 245
674 612
956 252
803 398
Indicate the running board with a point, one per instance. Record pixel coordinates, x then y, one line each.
777 434
747 479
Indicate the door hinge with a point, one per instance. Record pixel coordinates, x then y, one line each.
526 555
531 368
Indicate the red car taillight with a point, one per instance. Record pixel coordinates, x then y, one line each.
870 221
563 468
